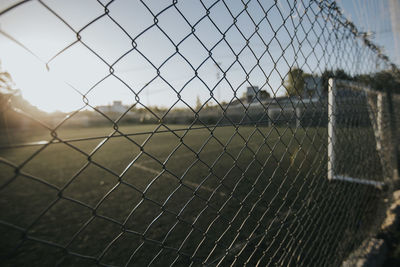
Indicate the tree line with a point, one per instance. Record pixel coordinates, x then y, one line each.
380 81
11 98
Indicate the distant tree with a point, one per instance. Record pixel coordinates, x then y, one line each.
337 74
6 94
386 80
294 82
363 78
198 103
325 78
11 98
6 89
381 81
264 94
243 97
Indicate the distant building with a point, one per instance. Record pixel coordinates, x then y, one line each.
254 93
312 87
116 107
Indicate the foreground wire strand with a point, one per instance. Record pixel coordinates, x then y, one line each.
229 180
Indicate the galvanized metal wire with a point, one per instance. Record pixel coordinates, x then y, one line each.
231 180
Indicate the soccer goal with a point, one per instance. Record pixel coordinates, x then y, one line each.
355 134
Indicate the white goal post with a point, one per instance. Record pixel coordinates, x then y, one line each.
376 122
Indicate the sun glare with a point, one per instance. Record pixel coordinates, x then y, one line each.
42 88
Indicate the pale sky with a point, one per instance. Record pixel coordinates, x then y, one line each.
379 18
45 35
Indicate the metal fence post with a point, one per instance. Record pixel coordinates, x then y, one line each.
331 127
394 136
298 117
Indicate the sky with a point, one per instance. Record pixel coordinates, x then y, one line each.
379 18
39 49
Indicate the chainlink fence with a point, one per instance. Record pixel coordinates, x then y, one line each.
226 142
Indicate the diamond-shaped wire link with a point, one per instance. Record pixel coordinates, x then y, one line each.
216 155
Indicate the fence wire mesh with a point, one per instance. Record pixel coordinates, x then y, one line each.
217 154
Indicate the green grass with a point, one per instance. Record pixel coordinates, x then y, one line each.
236 195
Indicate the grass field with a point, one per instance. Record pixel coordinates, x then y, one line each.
206 196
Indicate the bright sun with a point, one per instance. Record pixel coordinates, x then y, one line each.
42 88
